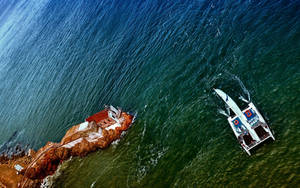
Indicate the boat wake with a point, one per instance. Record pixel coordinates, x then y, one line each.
241 90
245 90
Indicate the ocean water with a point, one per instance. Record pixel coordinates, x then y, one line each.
63 60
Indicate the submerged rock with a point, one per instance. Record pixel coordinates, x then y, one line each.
97 132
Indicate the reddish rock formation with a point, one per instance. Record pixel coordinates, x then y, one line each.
97 132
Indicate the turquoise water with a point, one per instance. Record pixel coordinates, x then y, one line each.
61 61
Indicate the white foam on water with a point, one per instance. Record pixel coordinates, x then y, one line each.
93 184
49 180
243 87
116 142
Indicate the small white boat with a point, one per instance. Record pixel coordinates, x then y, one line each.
248 125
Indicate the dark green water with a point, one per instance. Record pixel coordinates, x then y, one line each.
61 61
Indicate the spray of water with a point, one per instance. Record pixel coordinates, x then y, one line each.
243 88
223 112
243 99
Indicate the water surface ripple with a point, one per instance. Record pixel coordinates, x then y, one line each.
62 60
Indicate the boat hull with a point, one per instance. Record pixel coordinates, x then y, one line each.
248 125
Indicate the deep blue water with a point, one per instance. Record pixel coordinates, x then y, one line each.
61 61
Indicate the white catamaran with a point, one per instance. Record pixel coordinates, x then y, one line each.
248 125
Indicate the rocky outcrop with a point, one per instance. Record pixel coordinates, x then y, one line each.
9 177
97 133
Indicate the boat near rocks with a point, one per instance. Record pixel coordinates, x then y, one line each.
248 125
97 132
